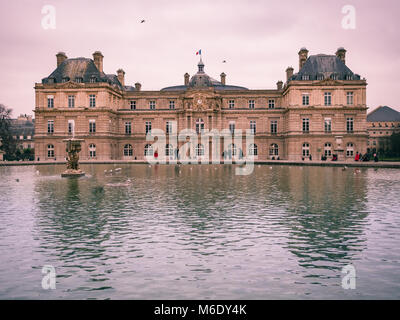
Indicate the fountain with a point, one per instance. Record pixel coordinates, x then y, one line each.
73 148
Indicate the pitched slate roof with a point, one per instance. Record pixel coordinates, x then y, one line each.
82 68
326 66
382 114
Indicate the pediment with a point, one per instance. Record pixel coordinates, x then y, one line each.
329 82
70 85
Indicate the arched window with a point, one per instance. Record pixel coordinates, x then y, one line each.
328 149
199 150
199 126
50 151
128 150
148 150
253 149
306 149
273 149
169 151
350 149
92 150
349 77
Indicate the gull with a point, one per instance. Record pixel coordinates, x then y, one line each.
142 21
224 61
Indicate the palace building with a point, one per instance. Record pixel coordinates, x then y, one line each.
320 110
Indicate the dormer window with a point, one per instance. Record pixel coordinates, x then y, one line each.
334 76
78 80
92 80
51 80
349 77
65 79
320 77
305 77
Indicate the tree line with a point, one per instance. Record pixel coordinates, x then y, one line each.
8 144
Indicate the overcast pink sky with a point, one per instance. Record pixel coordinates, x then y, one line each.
258 39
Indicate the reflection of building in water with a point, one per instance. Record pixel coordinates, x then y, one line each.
381 124
326 215
320 110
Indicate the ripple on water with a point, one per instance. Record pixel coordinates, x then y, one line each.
195 232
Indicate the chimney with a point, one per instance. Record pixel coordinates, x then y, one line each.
138 86
279 85
98 60
186 76
121 76
303 55
341 54
289 73
223 78
61 57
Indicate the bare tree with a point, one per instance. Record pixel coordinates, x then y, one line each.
7 142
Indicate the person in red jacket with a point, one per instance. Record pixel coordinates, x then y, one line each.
357 158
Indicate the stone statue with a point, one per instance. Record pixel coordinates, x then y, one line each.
73 148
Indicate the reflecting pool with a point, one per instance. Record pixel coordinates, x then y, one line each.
199 232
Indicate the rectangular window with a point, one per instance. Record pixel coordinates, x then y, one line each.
148 127
328 125
251 104
274 126
328 98
50 102
50 126
71 124
168 127
306 99
350 98
133 104
271 103
92 101
152 105
306 125
349 125
128 127
231 104
92 126
253 127
71 101
172 105
232 127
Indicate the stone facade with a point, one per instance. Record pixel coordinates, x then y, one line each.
319 110
382 122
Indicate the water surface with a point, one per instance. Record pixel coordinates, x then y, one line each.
199 232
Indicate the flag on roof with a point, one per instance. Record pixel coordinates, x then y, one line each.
198 52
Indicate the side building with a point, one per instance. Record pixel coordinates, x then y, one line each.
382 123
320 110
